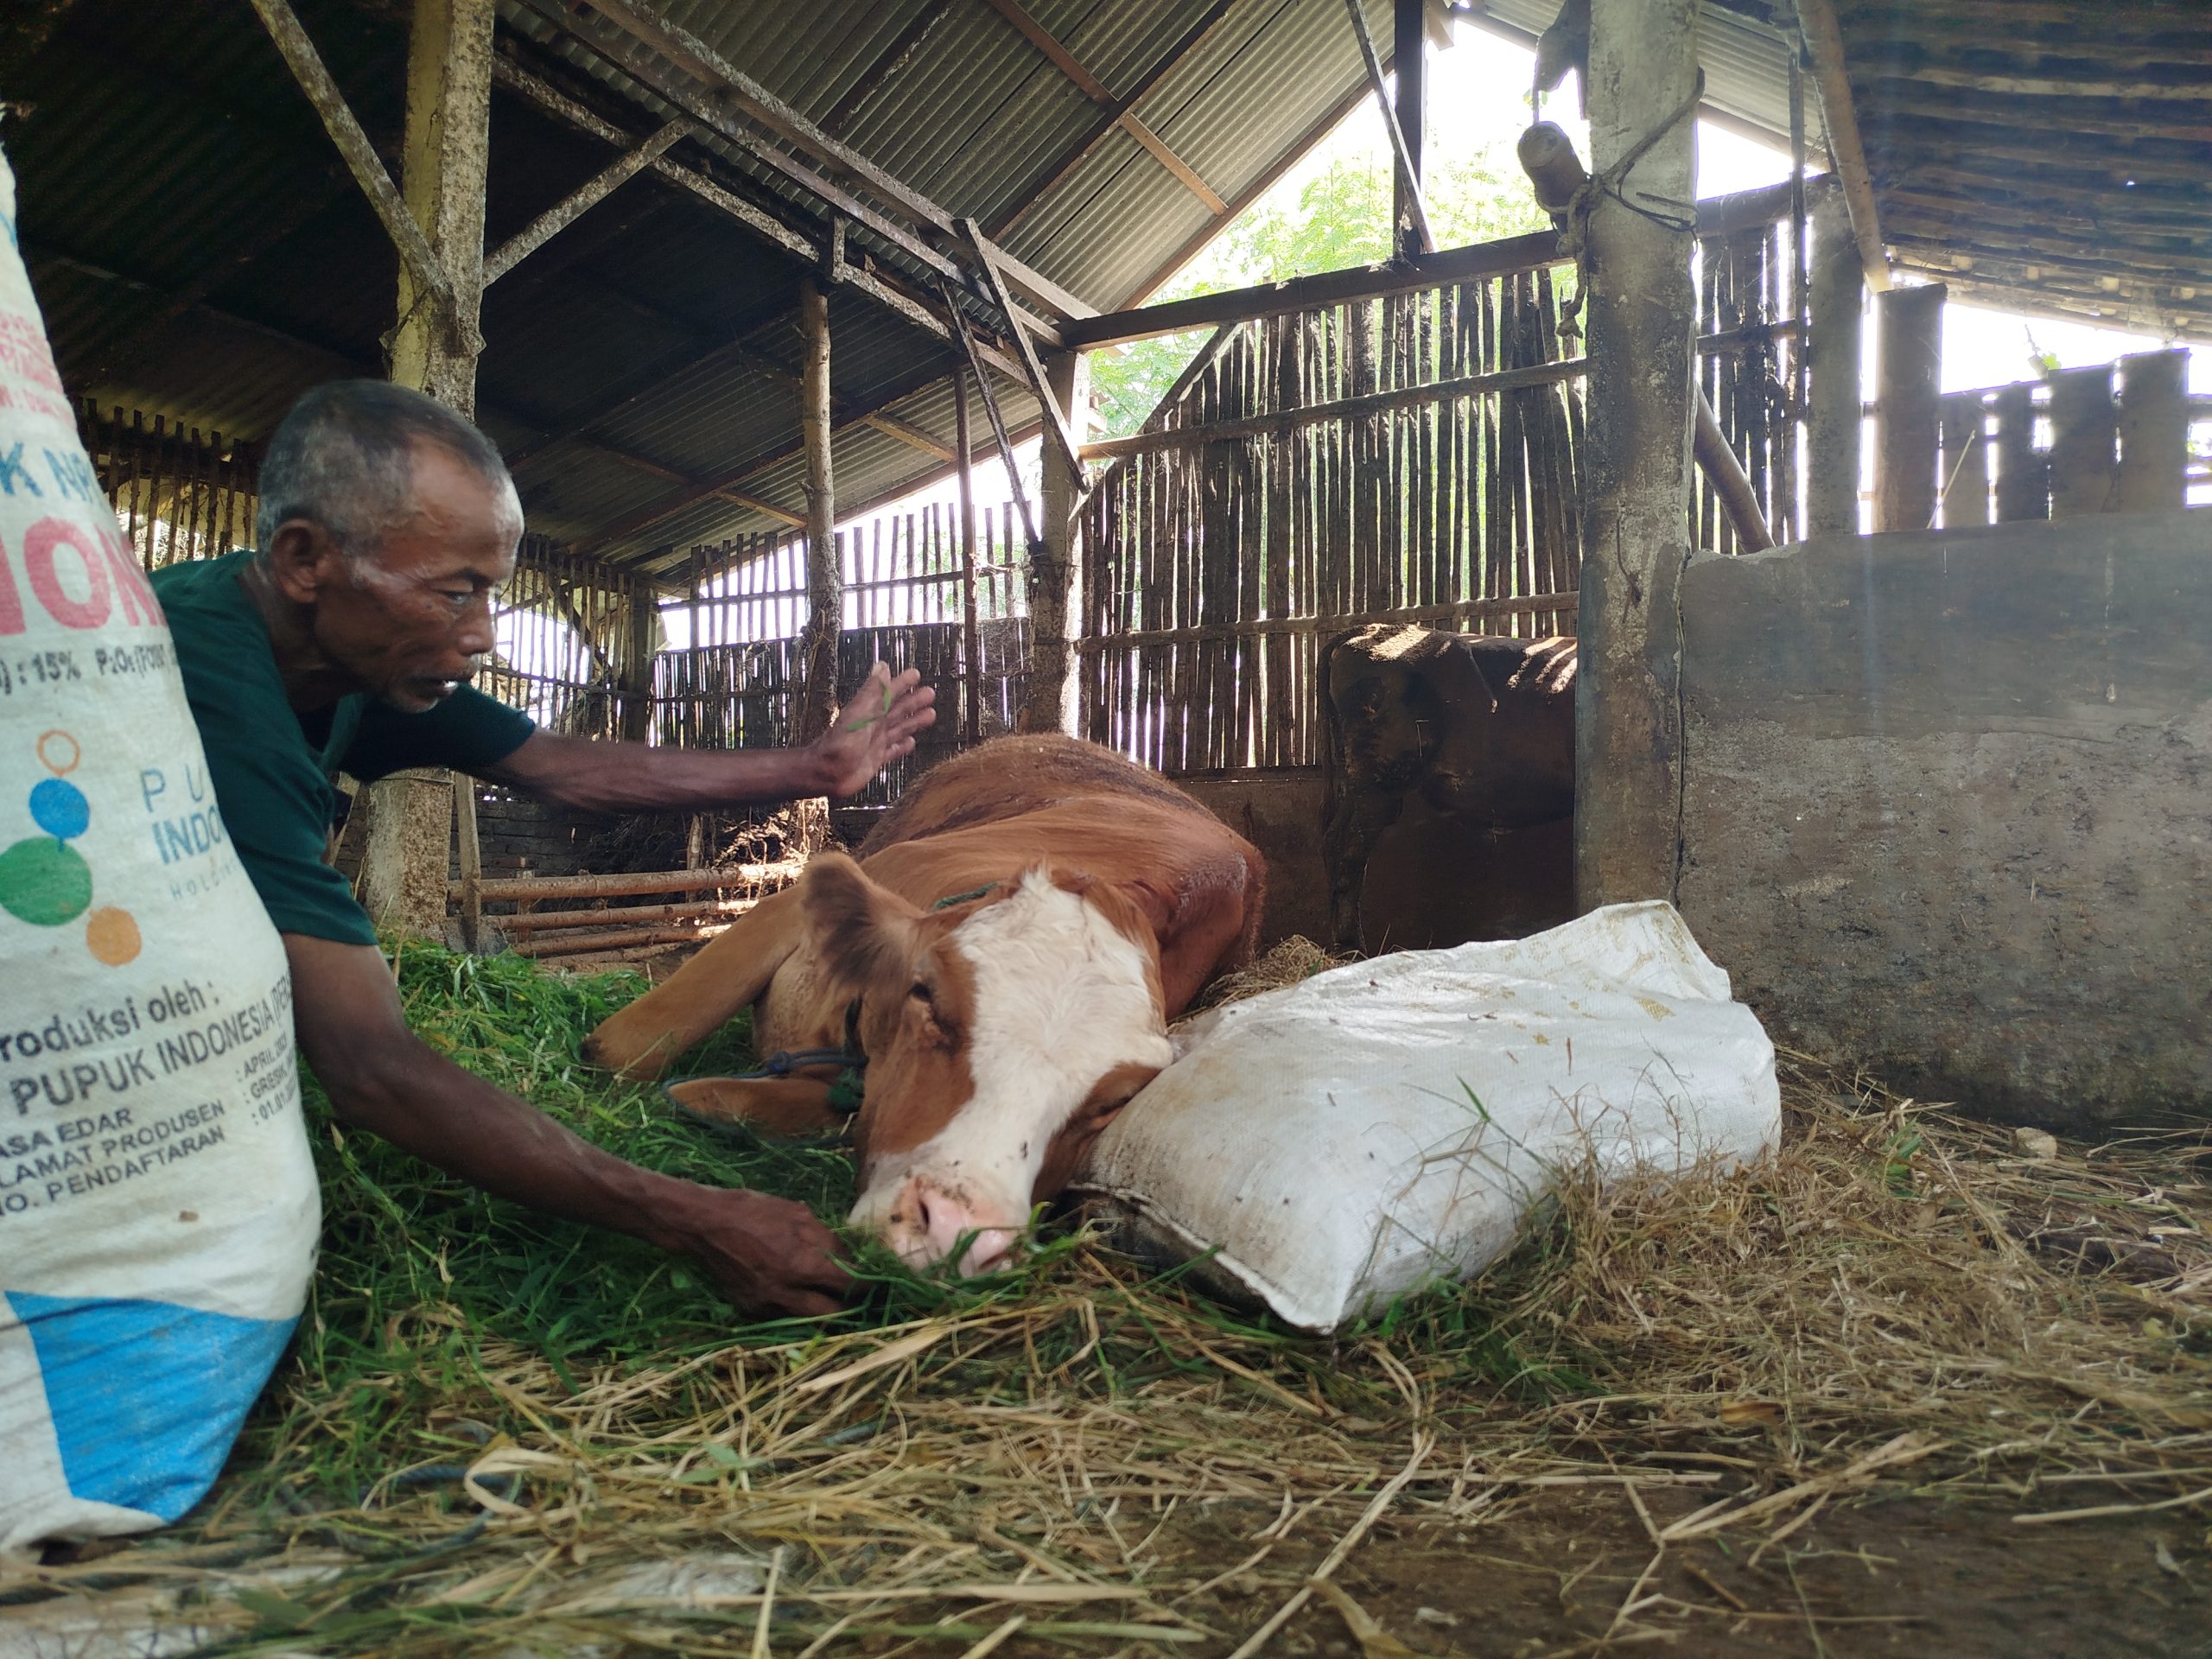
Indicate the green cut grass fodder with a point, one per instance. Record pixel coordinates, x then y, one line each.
496 1429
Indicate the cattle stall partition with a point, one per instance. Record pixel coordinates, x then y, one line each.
1406 458
2117 437
1413 457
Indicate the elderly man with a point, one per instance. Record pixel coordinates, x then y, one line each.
345 643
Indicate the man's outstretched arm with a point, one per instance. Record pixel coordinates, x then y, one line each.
768 1255
877 727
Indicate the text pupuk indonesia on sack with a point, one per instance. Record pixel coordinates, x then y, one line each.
158 1207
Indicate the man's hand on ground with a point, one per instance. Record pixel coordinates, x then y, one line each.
768 1255
878 726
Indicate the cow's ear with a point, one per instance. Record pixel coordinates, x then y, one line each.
866 934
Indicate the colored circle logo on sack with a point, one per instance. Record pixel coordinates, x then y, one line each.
43 879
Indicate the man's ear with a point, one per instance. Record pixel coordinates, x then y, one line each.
296 559
866 934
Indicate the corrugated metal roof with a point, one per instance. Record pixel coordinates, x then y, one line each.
201 253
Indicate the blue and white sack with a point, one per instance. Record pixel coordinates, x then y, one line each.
158 1209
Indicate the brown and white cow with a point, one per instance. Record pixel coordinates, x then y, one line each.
1009 950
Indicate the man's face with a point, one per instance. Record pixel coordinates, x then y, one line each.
411 620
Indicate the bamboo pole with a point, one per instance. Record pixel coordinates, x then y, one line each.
471 851
971 635
546 888
571 944
824 589
630 916
1824 46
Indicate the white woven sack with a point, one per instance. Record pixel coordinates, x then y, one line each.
158 1207
1382 1125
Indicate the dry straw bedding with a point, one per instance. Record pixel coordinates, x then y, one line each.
1900 1298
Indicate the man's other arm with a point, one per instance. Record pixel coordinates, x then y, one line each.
877 727
768 1255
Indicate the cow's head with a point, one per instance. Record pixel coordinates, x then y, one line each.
1002 1033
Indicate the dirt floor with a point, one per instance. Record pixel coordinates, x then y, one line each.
1901 1576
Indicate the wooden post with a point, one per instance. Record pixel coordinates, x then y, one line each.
471 864
1835 423
1908 382
1410 62
637 664
443 164
971 635
2153 431
1824 46
1050 703
2083 424
2023 473
825 581
1642 332
410 815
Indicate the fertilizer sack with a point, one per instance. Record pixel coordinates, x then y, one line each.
1341 1140
158 1207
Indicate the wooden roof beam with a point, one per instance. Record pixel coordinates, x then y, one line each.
1408 163
368 166
693 57
1327 288
1038 188
887 63
759 223
1824 46
1039 36
587 195
653 512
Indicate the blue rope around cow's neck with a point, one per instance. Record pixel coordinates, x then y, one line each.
845 1092
952 899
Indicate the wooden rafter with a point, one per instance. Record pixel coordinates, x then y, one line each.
1054 172
1408 168
880 288
653 512
1250 193
587 195
1328 288
1824 46
692 58
885 64
361 158
1042 38
1055 421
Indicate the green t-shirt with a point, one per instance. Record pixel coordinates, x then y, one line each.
272 768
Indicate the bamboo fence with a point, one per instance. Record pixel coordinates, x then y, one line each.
1410 458
178 496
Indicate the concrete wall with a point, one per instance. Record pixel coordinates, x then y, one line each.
1281 814
1947 809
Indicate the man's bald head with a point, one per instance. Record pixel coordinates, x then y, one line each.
344 457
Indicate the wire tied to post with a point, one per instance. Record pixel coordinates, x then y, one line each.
1570 193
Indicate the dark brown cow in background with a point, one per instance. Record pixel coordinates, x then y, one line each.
1470 738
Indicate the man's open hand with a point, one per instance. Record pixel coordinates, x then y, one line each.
768 1255
877 727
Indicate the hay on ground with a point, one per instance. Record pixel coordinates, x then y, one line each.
499 1435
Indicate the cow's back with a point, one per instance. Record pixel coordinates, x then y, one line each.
1010 776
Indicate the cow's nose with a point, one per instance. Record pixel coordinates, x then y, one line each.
927 1224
